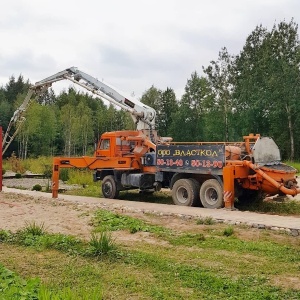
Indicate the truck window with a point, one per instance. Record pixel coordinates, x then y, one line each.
105 144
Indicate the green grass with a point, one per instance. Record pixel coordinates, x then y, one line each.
206 221
105 220
203 263
289 207
228 231
92 190
101 244
38 165
13 286
80 177
34 228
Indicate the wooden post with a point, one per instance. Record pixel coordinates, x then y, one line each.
228 181
1 167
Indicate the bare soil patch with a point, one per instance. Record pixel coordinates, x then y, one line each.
60 216
57 216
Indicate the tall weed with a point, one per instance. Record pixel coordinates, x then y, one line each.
34 228
101 244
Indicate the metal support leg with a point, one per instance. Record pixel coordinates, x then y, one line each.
228 181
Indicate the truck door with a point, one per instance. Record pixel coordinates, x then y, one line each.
104 148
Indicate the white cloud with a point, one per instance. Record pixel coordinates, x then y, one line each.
131 44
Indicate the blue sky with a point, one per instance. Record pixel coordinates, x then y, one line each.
131 44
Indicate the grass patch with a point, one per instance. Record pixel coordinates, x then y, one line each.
37 238
101 244
14 287
40 165
92 190
81 177
106 220
289 207
32 228
228 231
206 221
198 265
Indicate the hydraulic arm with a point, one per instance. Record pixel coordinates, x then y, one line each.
142 115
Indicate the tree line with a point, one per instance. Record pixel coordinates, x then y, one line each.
255 91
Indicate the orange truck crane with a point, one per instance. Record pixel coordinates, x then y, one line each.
207 174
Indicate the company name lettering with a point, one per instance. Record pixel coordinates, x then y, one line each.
194 152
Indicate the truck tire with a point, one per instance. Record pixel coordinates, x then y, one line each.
109 187
197 184
184 192
211 194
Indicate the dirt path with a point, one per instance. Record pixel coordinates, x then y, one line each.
72 214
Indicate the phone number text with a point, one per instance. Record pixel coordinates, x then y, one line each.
194 163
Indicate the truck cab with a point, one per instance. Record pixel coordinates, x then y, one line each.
117 144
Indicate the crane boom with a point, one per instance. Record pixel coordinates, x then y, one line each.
142 114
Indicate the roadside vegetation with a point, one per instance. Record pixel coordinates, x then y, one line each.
213 261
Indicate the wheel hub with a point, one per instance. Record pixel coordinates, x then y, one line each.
182 195
107 188
211 195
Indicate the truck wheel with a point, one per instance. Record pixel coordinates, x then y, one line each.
109 187
197 192
211 194
184 192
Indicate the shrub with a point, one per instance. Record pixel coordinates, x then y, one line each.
4 235
37 187
3 171
48 171
64 175
16 164
18 175
228 231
